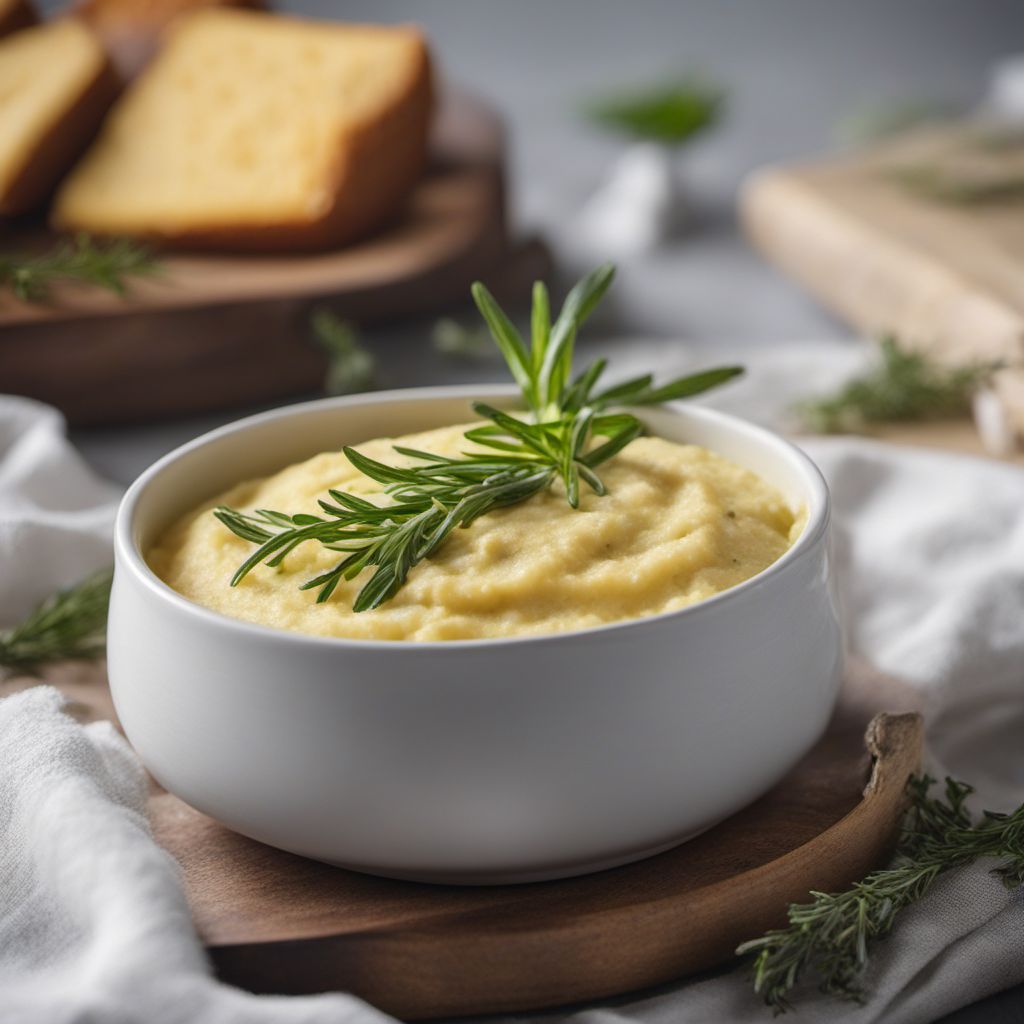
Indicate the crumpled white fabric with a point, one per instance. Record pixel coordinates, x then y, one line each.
56 515
94 925
930 555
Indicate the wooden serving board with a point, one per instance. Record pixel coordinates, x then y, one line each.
215 331
275 922
944 277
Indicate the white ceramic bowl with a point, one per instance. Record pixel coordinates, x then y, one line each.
470 761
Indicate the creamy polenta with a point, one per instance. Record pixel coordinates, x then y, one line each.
679 524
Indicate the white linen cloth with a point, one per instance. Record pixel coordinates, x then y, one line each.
56 515
930 555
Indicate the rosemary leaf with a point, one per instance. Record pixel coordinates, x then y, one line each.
566 434
829 937
906 386
105 265
69 625
671 114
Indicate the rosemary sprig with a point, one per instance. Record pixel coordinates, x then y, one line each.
906 386
69 625
671 114
81 259
569 430
830 936
350 367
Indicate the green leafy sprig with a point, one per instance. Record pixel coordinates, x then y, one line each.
69 625
906 386
569 430
105 265
350 367
671 114
830 936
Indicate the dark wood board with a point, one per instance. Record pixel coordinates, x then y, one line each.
275 922
217 331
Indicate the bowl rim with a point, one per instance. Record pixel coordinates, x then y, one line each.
128 556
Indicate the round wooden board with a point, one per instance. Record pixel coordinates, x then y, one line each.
214 331
274 922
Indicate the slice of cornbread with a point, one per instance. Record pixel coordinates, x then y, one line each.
15 14
55 86
130 29
251 131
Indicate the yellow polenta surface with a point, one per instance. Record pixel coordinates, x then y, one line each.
678 525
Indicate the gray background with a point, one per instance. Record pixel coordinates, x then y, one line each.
794 69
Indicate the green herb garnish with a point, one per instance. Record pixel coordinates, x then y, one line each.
985 167
960 190
105 265
670 114
70 625
350 367
515 458
906 386
451 338
830 936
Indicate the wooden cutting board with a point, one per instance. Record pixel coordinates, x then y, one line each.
216 331
890 258
275 922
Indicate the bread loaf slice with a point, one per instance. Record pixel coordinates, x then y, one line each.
15 14
250 131
55 86
130 29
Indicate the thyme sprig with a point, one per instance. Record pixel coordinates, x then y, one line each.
569 429
68 625
905 386
105 265
830 936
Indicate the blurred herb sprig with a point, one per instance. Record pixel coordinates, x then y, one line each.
103 264
672 113
350 367
905 386
449 337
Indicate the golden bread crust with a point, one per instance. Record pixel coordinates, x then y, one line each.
64 141
376 164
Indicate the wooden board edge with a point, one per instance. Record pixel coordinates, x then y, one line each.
635 947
